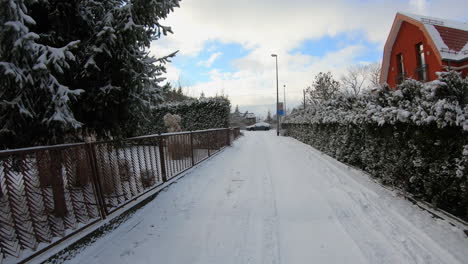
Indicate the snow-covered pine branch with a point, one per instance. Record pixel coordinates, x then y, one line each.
61 61
33 95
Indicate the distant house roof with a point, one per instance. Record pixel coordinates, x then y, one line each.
250 115
448 38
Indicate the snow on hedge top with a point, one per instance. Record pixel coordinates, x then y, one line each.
191 102
442 102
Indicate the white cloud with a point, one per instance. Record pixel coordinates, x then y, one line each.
210 60
419 6
173 73
253 85
278 26
282 25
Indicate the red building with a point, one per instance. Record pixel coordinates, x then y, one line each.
418 47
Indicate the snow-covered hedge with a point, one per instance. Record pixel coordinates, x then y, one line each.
415 138
199 114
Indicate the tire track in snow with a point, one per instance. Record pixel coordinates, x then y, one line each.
308 231
272 252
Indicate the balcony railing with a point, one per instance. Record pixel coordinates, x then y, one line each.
400 78
421 73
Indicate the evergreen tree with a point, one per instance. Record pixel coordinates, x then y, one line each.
325 87
121 78
171 95
66 65
35 101
269 119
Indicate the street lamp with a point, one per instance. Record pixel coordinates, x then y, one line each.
277 95
284 102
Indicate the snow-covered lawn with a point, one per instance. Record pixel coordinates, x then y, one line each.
270 199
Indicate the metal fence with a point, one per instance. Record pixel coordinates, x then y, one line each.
48 194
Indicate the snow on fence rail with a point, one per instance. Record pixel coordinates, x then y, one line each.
50 193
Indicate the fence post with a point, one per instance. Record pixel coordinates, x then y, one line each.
161 159
209 143
228 136
191 147
89 147
57 184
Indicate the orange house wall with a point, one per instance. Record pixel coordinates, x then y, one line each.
405 43
459 64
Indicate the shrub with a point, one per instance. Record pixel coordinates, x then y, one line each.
200 114
414 138
148 178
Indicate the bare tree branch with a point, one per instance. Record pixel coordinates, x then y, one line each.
354 79
374 74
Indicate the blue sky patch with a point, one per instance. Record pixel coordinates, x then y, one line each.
193 70
230 52
328 44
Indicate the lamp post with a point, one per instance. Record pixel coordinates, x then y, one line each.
277 96
284 101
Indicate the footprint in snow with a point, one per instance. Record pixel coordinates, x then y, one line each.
127 252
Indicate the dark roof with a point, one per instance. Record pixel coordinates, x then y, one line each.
455 39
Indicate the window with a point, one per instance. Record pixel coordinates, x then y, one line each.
401 66
421 70
401 69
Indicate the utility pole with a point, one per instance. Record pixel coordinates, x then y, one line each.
284 104
277 96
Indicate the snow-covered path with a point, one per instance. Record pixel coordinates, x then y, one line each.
270 199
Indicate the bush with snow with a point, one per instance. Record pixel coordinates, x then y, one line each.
414 138
172 122
195 114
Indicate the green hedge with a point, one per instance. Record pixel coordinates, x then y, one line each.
200 114
414 138
428 162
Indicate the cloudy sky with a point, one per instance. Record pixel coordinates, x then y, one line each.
225 46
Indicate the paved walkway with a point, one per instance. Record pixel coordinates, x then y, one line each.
272 199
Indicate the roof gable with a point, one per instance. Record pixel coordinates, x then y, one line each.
448 38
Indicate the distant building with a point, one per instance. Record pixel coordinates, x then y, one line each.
250 117
242 119
418 47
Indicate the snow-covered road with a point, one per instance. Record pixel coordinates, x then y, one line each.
270 199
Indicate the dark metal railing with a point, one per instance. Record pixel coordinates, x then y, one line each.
421 73
50 193
449 51
400 78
